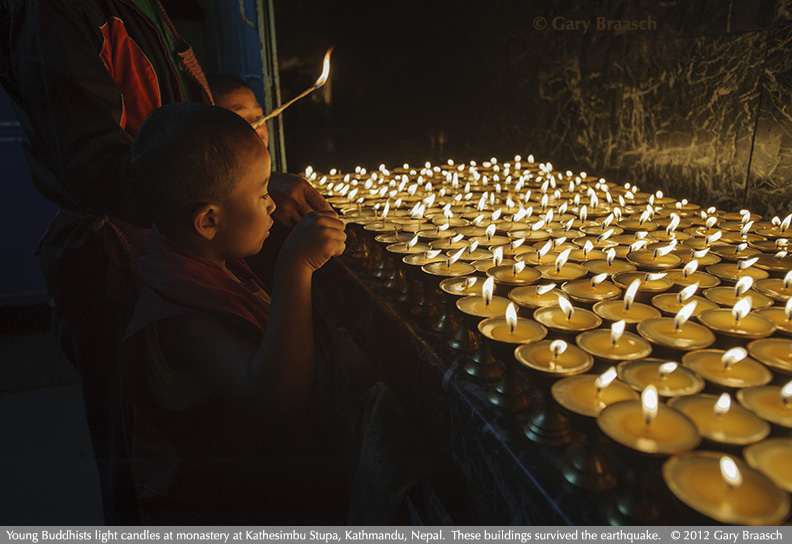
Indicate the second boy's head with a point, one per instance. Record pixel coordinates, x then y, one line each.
234 94
205 173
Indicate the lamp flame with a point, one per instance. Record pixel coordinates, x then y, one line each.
541 252
786 395
610 255
741 308
653 277
666 368
730 472
473 245
544 289
629 295
687 292
617 329
742 285
412 242
497 255
605 379
456 238
722 405
635 246
788 310
785 223
714 237
649 404
673 224
322 79
455 257
518 267
511 316
742 265
558 347
684 314
788 280
734 355
599 278
566 307
490 231
661 251
605 235
700 253
689 268
588 246
562 259
487 289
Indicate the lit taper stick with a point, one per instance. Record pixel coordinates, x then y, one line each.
319 82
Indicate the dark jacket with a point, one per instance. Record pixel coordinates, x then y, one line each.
82 76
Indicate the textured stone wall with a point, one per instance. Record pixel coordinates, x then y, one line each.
698 104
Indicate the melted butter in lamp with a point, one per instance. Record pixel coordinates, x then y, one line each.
766 402
778 289
750 326
569 271
781 317
407 249
669 304
669 433
554 317
697 480
704 280
737 426
586 291
601 266
522 331
773 458
579 394
730 272
613 310
675 382
535 296
628 347
517 274
652 284
709 364
475 305
461 286
774 352
648 260
542 357
725 296
663 331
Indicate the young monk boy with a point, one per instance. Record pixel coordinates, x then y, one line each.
219 372
234 94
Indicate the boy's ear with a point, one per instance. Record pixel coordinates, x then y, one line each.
205 221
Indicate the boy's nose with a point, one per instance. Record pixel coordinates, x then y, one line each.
263 134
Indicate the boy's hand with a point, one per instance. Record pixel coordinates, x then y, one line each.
319 236
294 198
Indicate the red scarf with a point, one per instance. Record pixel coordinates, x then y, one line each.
180 282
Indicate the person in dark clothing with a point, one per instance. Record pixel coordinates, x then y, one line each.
219 370
82 76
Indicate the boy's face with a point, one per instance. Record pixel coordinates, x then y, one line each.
246 221
243 102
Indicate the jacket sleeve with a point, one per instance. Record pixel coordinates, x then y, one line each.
77 150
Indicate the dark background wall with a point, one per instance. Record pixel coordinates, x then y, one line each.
698 103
